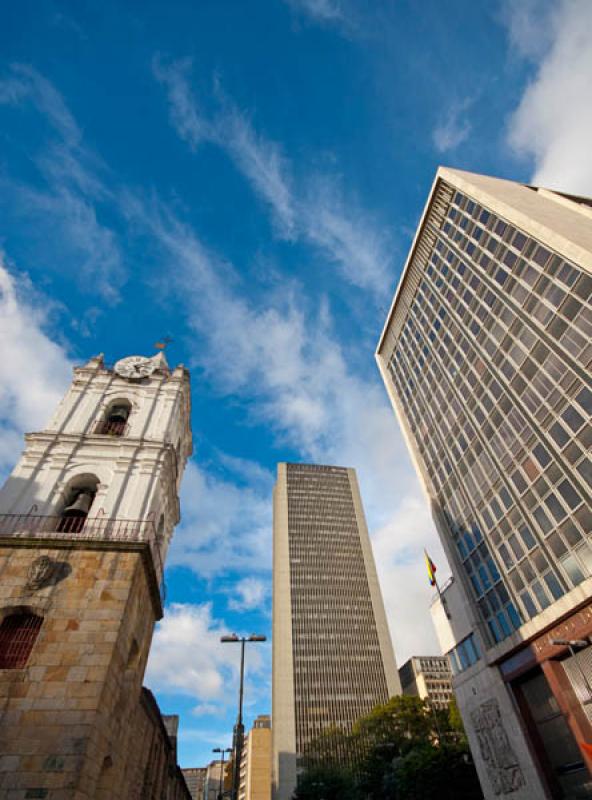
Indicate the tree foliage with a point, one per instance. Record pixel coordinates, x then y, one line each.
402 750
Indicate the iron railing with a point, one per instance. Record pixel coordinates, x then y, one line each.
111 427
97 528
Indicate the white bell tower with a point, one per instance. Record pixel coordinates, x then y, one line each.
113 453
86 518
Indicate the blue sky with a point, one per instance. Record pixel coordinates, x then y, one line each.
246 177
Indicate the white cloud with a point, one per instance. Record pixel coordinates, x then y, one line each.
249 594
313 208
455 128
64 213
553 122
188 659
34 371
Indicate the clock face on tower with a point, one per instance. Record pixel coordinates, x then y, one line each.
135 367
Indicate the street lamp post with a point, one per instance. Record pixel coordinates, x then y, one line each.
221 750
239 730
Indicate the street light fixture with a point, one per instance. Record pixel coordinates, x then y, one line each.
571 645
221 750
239 729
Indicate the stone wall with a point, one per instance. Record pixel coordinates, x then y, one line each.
73 724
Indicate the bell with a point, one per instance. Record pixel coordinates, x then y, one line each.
81 505
118 414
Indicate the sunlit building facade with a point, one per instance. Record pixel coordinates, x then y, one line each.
486 357
333 659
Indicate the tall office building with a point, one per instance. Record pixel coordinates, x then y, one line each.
486 356
333 660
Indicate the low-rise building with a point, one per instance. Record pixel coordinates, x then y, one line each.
428 677
255 777
195 778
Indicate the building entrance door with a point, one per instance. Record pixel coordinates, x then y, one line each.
555 740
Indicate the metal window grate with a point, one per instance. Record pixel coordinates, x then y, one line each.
111 427
17 637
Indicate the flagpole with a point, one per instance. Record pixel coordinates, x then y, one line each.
432 572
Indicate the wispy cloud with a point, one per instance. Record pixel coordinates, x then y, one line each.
65 209
324 10
308 207
553 122
337 14
454 128
285 363
191 126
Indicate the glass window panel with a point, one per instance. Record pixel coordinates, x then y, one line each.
542 519
553 585
557 545
503 623
527 537
569 494
571 533
528 604
555 507
541 455
572 418
495 631
584 398
540 594
571 567
505 556
559 434
516 546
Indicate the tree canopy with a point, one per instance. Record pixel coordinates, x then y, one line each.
402 750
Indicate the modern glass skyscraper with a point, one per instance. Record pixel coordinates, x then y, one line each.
333 660
486 355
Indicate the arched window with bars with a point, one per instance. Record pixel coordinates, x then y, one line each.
18 632
115 421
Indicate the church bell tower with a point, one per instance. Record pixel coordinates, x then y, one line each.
86 518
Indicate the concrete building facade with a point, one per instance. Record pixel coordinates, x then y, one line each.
428 677
486 356
86 517
195 778
333 659
255 776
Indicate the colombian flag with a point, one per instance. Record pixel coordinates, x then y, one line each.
431 567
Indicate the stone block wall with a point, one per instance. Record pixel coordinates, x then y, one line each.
67 718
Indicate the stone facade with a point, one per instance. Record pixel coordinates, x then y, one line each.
75 723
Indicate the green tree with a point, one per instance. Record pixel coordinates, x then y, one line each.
326 783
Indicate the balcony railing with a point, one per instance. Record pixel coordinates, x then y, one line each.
126 530
98 528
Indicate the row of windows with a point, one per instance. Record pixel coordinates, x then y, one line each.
458 334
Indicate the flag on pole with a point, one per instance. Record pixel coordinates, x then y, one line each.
431 567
